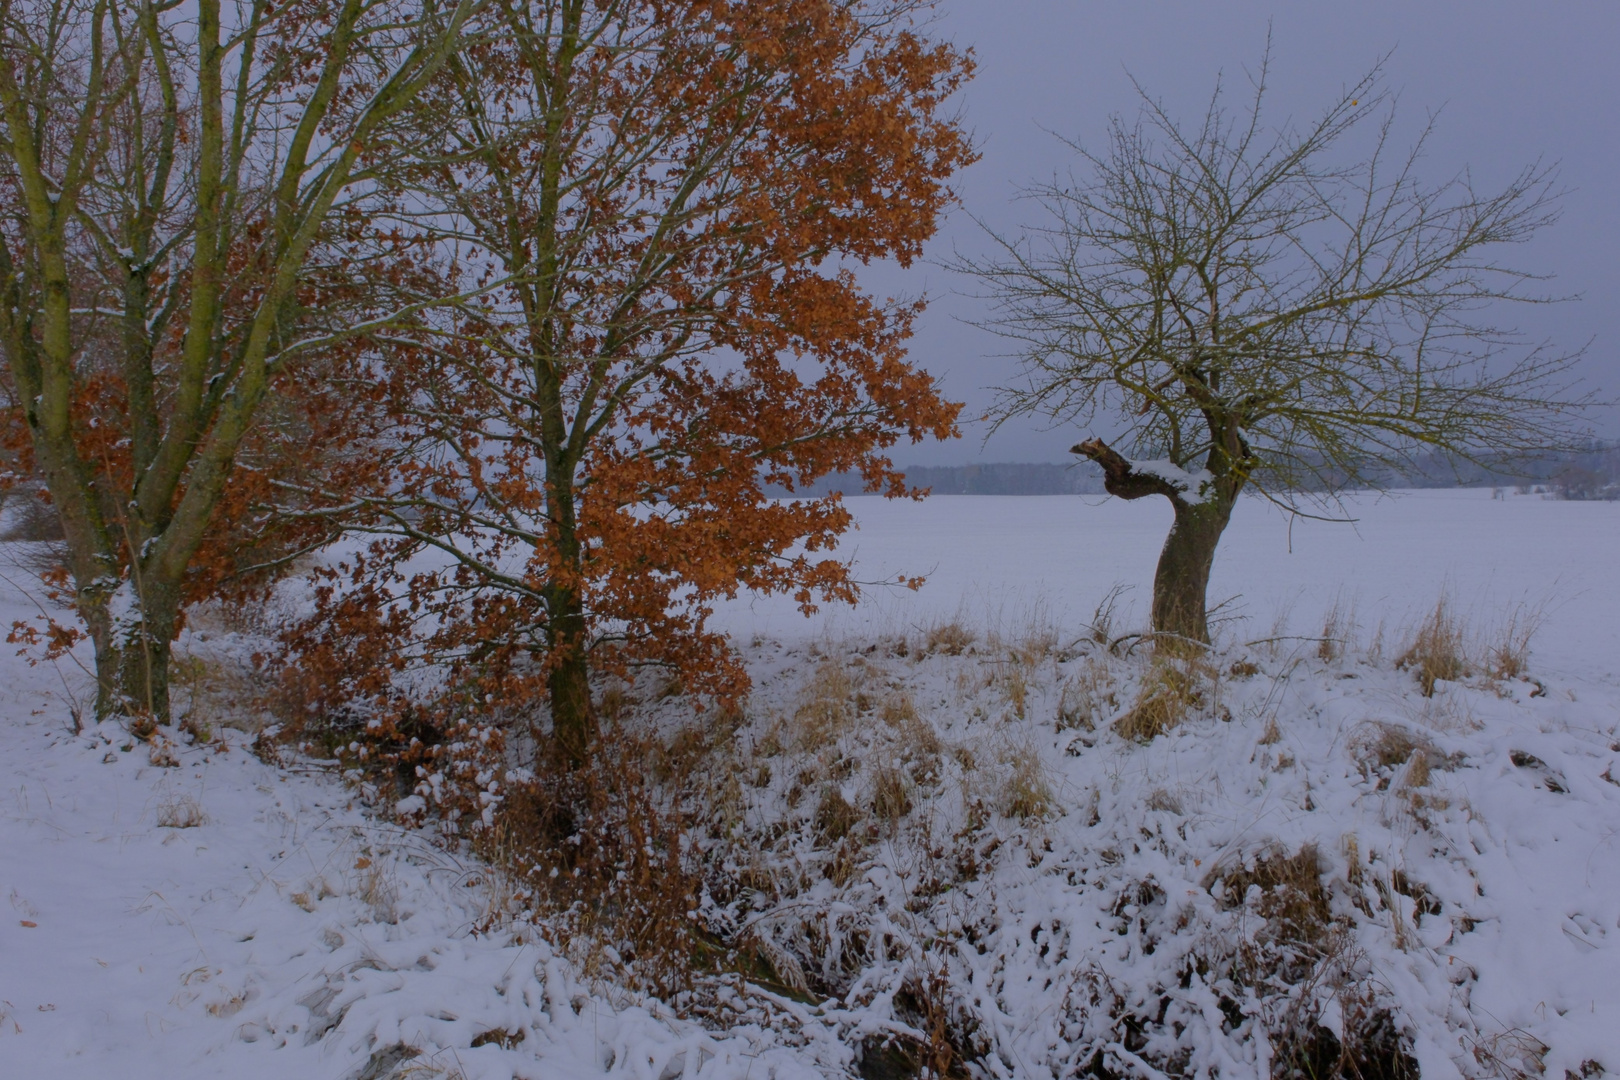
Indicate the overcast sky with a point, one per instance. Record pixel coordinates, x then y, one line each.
1513 82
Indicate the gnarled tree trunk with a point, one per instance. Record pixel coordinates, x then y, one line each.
1181 582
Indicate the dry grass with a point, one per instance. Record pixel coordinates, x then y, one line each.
1301 944
378 889
1435 652
599 851
1338 629
312 894
180 812
250 616
1291 894
891 794
835 815
826 707
1171 689
1026 791
1105 617
1014 683
1089 697
1512 1055
614 703
950 638
1508 657
1381 746
917 744
161 752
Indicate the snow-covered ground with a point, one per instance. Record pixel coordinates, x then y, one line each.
1016 558
222 917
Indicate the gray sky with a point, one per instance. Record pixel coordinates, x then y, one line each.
1513 81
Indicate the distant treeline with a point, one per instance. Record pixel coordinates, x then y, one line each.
986 478
1593 473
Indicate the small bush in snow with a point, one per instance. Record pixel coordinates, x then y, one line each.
180 812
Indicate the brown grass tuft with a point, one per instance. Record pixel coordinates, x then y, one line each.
1291 896
917 743
600 853
1435 652
1509 655
1514 1054
1171 689
891 794
826 709
1338 626
835 815
950 638
378 890
1378 745
212 692
1026 792
1104 618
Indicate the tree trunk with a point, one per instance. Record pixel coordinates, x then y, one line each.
132 660
573 721
1180 617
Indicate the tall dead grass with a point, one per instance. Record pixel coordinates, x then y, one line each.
1172 688
1435 651
1508 654
1443 647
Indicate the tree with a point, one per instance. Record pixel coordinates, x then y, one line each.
660 202
1277 308
170 173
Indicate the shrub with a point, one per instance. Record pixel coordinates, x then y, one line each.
603 855
180 812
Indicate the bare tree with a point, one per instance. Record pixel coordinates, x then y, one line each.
166 171
1287 308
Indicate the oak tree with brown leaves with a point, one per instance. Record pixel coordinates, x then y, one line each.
660 204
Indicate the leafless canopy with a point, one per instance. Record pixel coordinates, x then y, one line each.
1288 306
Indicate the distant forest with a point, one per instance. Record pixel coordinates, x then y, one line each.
1589 474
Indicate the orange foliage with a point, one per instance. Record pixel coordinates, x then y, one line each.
566 474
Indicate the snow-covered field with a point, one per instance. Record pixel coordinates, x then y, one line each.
223 917
1014 558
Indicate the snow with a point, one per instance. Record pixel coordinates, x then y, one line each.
1012 559
286 930
1192 485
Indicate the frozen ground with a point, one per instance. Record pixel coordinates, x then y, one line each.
284 932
